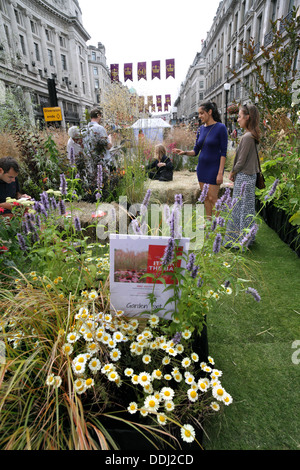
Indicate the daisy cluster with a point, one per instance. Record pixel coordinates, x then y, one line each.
163 371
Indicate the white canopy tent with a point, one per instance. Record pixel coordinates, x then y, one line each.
153 128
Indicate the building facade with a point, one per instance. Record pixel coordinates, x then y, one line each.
236 21
43 50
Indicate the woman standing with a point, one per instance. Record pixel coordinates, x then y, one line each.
211 142
244 172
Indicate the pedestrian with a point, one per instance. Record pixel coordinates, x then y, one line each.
96 142
74 142
211 146
161 168
243 174
9 184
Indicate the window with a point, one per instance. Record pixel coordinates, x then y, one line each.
83 88
80 50
3 6
33 26
95 70
273 10
96 83
37 51
94 56
19 18
48 35
201 84
50 57
22 42
81 68
62 41
6 29
63 62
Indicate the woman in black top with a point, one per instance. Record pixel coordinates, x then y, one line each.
161 168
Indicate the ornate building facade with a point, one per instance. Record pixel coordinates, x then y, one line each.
235 21
43 50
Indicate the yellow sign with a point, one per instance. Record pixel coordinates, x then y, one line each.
52 114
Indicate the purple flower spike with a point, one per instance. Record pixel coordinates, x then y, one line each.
217 243
204 192
254 294
273 189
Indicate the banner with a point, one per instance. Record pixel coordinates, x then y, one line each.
141 70
132 257
155 69
168 99
127 72
158 103
170 68
114 72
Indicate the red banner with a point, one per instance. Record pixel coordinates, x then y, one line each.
141 70
127 72
114 72
155 69
170 68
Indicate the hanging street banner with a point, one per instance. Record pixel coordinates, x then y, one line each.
170 68
141 70
132 257
114 72
155 67
127 72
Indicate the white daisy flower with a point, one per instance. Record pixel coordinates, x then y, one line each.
169 405
118 336
146 359
162 419
143 411
89 383
218 392
157 374
167 393
215 406
95 365
144 378
215 373
78 368
186 334
113 376
128 372
93 295
179 348
50 380
211 360
189 379
186 362
72 337
192 394
115 354
67 349
153 320
132 407
194 357
227 399
151 403
187 433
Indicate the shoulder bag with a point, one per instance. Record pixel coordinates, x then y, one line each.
260 180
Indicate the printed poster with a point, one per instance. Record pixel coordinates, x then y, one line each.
132 257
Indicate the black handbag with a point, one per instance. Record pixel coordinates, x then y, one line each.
260 180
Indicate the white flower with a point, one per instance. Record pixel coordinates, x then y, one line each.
93 295
211 360
67 349
227 399
169 405
187 433
115 354
113 376
162 419
218 392
186 334
80 358
146 359
194 357
94 365
118 336
72 337
151 403
128 372
215 406
50 380
144 379
192 394
89 383
203 385
157 374
215 373
78 368
186 362
153 320
189 379
132 407
167 393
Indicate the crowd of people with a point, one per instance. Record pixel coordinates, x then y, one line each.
211 144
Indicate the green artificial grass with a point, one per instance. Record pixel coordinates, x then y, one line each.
252 343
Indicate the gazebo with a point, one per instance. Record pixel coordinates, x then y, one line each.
152 128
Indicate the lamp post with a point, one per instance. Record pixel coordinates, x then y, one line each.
226 88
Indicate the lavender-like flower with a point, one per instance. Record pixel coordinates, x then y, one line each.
45 200
63 184
200 282
273 189
254 293
191 261
98 196
220 221
135 226
178 199
177 337
147 198
204 192
250 235
22 242
62 207
169 252
77 224
72 157
53 203
217 243
174 222
194 271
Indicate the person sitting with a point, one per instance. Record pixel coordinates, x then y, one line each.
161 168
9 184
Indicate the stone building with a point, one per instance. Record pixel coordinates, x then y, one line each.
235 21
43 50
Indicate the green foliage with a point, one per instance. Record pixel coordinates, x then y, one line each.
279 59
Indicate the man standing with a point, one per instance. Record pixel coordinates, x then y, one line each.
9 184
96 141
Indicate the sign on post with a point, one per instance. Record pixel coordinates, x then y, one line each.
52 114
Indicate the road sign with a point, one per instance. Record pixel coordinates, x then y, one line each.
52 114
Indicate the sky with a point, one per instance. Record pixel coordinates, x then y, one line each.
138 31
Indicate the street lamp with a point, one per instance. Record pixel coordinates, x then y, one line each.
226 88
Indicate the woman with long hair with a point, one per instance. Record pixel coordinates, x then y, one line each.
243 174
211 145
161 168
